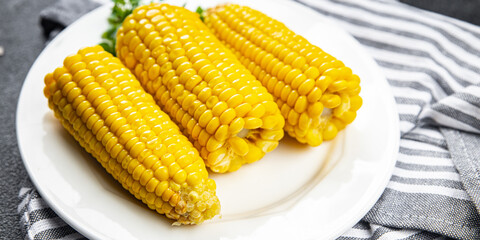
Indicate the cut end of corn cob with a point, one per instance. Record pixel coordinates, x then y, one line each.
317 95
227 114
103 106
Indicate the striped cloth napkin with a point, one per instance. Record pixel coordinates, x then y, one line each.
432 64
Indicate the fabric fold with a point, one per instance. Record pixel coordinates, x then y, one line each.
466 156
39 221
460 111
63 13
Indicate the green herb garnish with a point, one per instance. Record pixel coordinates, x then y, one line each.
201 12
121 9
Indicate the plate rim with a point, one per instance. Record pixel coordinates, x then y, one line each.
49 200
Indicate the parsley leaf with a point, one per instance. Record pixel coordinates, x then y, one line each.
120 10
201 12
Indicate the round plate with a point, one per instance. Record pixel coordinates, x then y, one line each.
295 192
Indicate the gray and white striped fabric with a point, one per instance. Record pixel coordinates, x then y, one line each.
39 221
432 64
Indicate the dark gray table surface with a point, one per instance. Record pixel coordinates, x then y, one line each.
22 40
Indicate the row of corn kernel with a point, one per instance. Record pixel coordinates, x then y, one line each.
169 56
115 119
303 78
94 146
343 80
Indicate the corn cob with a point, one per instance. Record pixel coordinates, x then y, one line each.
228 115
317 95
104 107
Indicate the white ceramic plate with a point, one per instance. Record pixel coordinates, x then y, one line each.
295 192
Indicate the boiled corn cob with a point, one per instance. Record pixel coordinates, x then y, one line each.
316 93
228 115
104 107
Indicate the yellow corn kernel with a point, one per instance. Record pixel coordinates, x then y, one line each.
252 123
114 120
273 135
222 133
213 144
266 145
227 116
331 100
193 76
217 156
254 153
238 145
303 79
330 131
355 103
242 109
